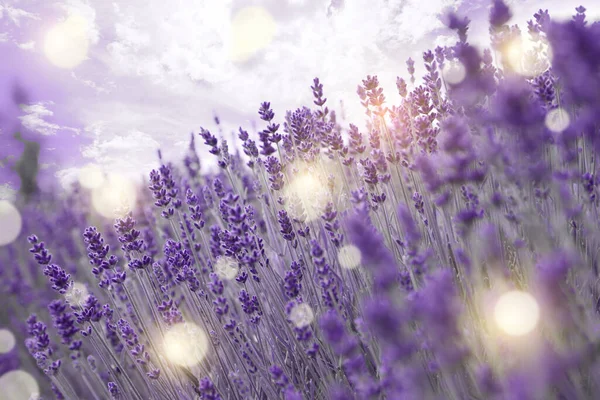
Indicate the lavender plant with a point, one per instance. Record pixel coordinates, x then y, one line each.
446 251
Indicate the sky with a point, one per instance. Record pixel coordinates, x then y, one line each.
144 74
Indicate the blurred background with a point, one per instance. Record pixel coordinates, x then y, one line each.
108 83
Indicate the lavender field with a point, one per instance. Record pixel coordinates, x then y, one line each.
447 249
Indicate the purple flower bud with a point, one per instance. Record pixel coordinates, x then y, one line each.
499 13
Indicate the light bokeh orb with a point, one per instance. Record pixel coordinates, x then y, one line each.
252 29
77 294
557 120
454 72
7 341
226 268
516 313
91 176
185 344
301 315
310 189
66 44
18 385
10 222
115 197
349 256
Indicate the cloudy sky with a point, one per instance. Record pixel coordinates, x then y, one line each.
147 73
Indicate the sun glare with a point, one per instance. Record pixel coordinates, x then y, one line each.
526 57
226 268
66 44
516 313
309 188
91 176
185 344
349 256
252 29
115 197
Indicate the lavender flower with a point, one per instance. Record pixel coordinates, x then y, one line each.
466 192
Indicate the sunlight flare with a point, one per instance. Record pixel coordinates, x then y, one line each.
252 29
516 313
91 176
349 256
66 45
186 344
115 198
226 268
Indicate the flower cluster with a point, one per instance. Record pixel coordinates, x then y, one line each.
447 250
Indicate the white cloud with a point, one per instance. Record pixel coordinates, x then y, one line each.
411 21
85 10
34 119
16 14
558 9
356 41
166 42
157 70
171 68
130 154
47 166
99 88
67 176
27 45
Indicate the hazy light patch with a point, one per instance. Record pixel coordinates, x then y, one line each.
10 221
557 120
77 294
527 58
514 55
185 344
7 341
18 385
115 197
91 176
301 315
454 72
252 29
349 256
226 268
516 313
309 187
66 44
